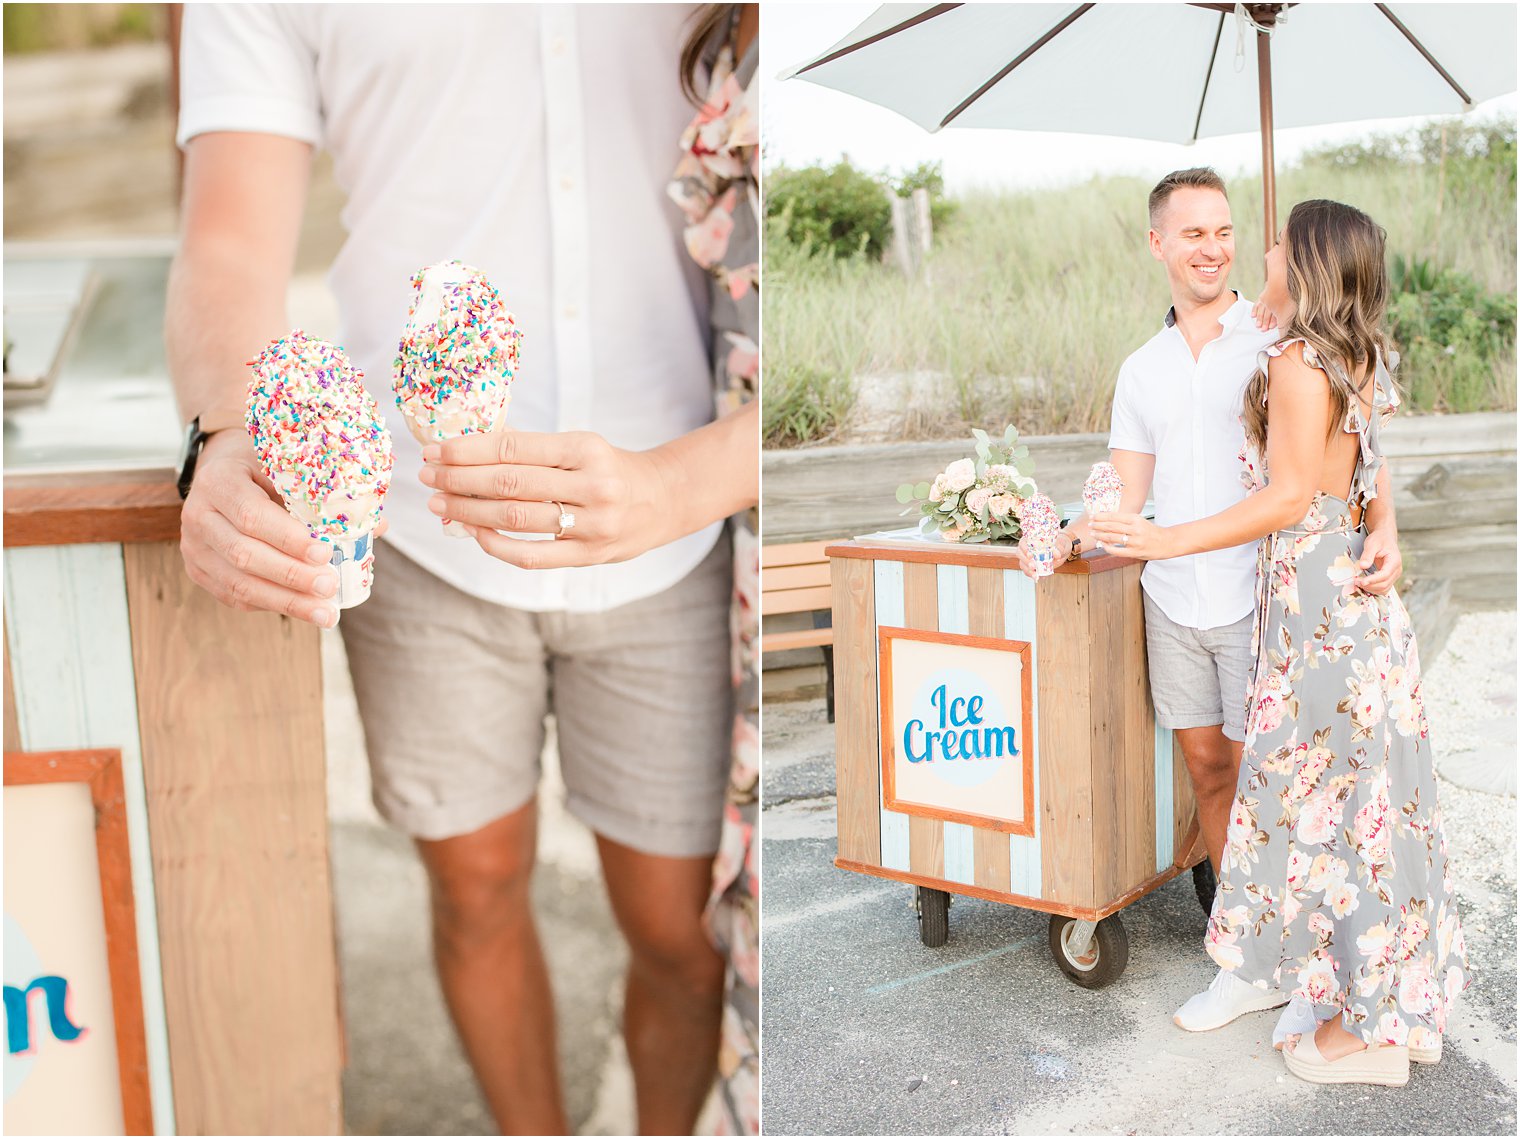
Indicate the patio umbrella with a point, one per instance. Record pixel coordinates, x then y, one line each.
1172 72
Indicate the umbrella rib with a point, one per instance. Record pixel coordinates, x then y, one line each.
1022 56
1430 59
1208 77
922 17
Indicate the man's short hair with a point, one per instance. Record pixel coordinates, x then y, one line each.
1199 177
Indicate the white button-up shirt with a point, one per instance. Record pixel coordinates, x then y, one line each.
1186 413
532 142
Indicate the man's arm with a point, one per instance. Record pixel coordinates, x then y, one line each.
243 199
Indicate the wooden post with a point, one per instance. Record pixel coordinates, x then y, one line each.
1268 167
902 240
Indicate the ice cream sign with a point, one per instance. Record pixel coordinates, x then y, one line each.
957 728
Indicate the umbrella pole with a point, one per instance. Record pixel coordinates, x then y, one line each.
1268 169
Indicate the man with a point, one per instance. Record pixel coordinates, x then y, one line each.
534 143
1176 436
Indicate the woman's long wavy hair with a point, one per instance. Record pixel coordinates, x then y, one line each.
1338 280
704 23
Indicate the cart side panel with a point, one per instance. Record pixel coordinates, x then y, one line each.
1020 623
1166 797
857 772
990 849
1123 763
890 611
1104 733
1139 735
926 836
1187 840
1065 743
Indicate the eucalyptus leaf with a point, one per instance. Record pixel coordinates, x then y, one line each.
979 435
973 538
921 490
905 493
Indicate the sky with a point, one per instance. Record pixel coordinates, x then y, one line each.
803 123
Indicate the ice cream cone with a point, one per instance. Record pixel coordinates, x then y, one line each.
354 559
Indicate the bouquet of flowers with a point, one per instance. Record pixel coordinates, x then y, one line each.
977 500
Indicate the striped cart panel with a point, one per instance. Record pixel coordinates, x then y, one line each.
1113 804
70 651
1024 863
955 617
891 611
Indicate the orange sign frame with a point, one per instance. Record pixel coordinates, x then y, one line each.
101 770
886 634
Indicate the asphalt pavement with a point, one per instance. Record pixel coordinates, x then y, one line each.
866 1031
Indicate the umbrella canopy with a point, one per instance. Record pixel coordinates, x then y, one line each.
1172 72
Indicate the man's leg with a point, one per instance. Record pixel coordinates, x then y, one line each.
674 1001
1213 763
492 969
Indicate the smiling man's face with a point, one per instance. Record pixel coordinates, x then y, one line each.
1195 240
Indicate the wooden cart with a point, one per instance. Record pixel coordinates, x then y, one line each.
1055 791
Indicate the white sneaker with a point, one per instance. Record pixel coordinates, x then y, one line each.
1226 998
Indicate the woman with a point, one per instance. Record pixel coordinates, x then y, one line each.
717 184
1334 882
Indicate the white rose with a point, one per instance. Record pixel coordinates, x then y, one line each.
959 475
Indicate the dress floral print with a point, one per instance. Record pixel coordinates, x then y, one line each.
716 186
1335 884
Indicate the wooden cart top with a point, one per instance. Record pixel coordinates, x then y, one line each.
960 554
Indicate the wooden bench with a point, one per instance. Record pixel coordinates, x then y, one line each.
794 578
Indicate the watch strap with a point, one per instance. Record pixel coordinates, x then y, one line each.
195 440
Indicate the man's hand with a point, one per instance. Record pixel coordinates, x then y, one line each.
1062 554
519 480
243 547
1381 563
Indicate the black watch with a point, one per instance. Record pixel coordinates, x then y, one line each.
195 439
1076 542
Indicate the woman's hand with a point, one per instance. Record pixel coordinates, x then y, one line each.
519 481
1131 536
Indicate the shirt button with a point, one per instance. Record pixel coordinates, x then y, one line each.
557 45
571 312
567 183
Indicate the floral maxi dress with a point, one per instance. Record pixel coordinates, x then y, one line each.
716 185
1335 884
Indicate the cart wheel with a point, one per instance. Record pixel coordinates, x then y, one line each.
1104 959
933 916
1205 882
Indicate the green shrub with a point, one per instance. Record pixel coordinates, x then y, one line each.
840 211
803 404
1455 338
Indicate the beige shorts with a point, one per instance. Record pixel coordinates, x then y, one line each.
453 692
1199 677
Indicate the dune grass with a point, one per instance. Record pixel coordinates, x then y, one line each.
1033 299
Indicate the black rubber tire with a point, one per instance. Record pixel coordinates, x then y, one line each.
933 916
1105 959
1204 884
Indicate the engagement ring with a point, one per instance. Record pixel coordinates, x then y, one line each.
566 520
1123 541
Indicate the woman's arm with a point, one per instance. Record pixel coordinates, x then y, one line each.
1298 423
624 502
